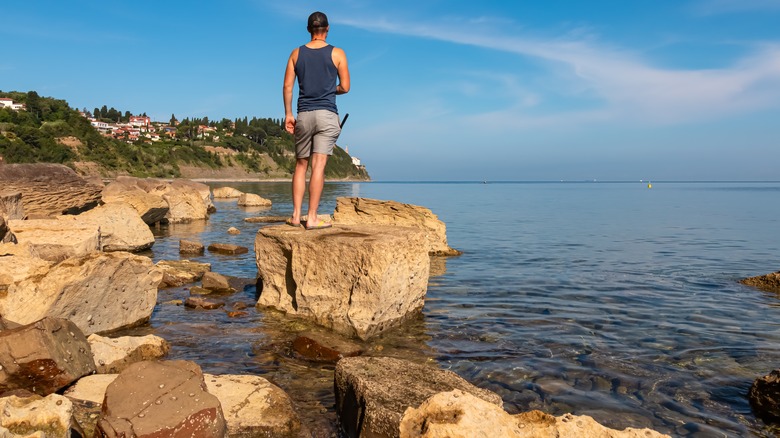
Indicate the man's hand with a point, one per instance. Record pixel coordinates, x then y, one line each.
289 124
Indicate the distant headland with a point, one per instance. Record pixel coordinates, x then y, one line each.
106 142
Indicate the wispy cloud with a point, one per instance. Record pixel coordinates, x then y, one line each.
625 83
715 7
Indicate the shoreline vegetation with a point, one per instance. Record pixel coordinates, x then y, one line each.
108 143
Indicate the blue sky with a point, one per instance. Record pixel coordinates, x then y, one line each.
443 90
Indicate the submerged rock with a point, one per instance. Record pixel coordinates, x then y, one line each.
319 347
371 211
358 280
227 248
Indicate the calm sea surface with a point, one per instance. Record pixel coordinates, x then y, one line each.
603 299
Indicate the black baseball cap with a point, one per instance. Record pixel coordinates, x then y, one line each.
317 20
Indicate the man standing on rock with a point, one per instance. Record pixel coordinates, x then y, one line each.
317 66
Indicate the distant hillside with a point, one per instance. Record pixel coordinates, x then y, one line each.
107 143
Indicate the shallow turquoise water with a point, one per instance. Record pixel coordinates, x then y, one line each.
605 299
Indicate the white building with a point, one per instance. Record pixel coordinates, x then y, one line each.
356 161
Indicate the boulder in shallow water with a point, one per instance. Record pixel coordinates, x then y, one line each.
358 280
253 200
351 211
121 227
227 249
150 207
458 414
372 393
768 282
190 247
227 193
44 356
99 292
180 272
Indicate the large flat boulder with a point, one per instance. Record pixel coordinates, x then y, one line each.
458 414
90 388
202 189
187 200
44 356
253 406
49 189
160 399
358 280
373 393
99 292
351 211
113 355
152 208
56 240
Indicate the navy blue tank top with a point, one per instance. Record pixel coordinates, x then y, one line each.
316 79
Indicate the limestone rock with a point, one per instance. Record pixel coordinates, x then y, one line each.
4 230
253 200
227 193
254 407
49 189
152 208
764 396
203 190
44 356
11 206
203 303
180 272
120 226
457 414
233 230
99 292
216 282
112 355
49 416
769 282
371 211
160 398
56 240
358 280
372 393
189 247
91 388
321 347
227 248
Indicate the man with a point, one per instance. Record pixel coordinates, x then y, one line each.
317 65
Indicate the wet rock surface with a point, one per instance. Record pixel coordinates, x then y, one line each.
44 356
769 282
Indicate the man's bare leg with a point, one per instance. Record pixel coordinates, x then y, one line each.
299 188
316 184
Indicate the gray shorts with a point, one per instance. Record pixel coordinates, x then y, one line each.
316 131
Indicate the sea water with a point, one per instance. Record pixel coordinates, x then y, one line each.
612 300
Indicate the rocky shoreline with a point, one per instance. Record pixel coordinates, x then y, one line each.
69 279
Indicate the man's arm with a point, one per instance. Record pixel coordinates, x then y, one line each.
340 61
287 92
